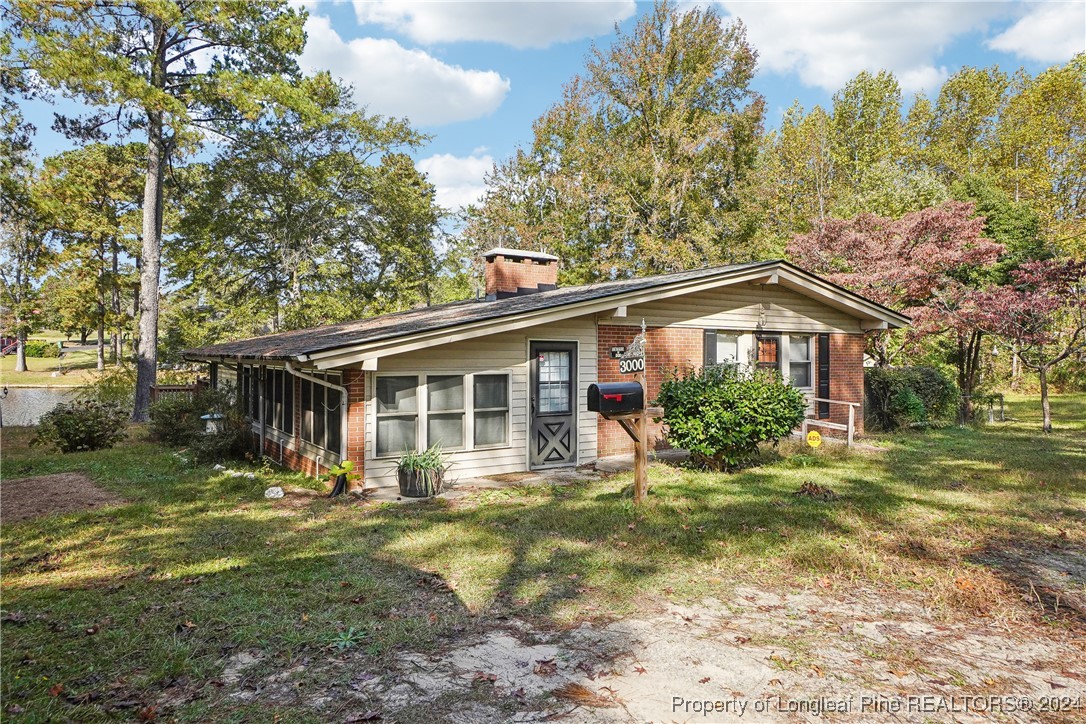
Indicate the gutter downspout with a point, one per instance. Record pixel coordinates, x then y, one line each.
343 432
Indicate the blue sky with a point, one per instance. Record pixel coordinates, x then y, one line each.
475 75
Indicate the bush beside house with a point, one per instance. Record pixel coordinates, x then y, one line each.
721 414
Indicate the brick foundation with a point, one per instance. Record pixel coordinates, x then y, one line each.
668 348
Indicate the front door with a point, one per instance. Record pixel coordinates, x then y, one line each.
552 436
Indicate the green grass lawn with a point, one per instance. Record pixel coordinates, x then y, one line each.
118 606
77 368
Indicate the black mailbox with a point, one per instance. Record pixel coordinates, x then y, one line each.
615 397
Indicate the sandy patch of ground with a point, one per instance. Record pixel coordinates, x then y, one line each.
763 656
24 498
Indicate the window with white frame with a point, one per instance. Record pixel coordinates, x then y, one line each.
445 411
723 347
397 414
491 410
799 360
457 412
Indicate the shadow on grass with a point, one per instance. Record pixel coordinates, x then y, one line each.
200 566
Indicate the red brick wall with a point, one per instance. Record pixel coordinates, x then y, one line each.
668 348
292 457
846 378
509 275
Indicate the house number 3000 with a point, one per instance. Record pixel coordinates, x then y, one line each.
629 366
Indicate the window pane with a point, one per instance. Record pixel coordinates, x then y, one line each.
553 366
446 430
490 428
800 373
395 434
799 349
727 348
396 394
445 392
553 397
491 391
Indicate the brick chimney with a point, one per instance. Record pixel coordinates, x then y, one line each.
511 273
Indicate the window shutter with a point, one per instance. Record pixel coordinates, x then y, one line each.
710 347
823 374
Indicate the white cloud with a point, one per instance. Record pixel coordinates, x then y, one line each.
395 81
521 24
1050 32
458 179
827 43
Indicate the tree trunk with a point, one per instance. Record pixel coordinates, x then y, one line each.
83 334
115 307
20 350
1046 410
101 340
147 352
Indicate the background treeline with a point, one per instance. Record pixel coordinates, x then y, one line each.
265 200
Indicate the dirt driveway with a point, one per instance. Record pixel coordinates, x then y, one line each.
808 655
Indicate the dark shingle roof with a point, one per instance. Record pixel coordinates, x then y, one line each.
286 345
296 343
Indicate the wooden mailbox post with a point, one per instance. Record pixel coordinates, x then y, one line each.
636 423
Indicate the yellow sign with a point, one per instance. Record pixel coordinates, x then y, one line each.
813 438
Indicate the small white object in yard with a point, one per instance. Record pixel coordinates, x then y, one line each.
274 492
240 474
219 467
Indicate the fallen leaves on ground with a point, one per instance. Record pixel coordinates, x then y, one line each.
545 667
583 696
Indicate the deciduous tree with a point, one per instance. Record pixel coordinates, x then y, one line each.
643 162
918 264
1043 312
309 219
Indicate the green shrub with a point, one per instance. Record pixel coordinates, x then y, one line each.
176 421
41 348
78 426
900 397
721 414
113 384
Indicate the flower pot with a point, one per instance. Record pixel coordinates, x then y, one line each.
413 482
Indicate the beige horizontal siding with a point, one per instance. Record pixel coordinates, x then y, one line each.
505 353
740 308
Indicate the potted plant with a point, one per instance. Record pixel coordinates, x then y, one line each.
421 474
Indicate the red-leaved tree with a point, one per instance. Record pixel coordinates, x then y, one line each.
921 265
1043 311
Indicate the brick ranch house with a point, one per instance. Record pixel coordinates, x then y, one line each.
501 381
